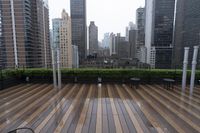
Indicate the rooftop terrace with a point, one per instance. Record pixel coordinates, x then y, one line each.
99 108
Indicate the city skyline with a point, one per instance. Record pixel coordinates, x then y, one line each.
117 17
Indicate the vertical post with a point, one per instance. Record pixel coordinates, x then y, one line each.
54 68
194 63
14 33
58 67
185 63
1 78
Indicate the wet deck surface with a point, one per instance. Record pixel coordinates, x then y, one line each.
108 108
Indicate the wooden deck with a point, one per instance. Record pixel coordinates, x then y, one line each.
108 108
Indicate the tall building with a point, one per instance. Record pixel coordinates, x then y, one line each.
79 26
187 29
123 47
62 39
24 33
75 56
159 32
105 41
140 35
112 44
140 24
132 41
131 26
93 38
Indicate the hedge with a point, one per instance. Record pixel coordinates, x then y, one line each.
104 73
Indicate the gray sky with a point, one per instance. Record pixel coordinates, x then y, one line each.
109 15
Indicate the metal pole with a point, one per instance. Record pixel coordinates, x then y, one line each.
194 63
185 63
1 78
59 71
54 68
14 34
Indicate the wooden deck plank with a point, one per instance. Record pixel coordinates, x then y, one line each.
56 108
114 112
15 99
187 93
179 121
86 124
64 119
9 97
20 116
93 118
56 118
104 109
39 115
145 108
99 111
111 123
192 112
161 111
13 109
84 112
193 122
11 89
131 114
181 98
72 121
143 121
119 111
91 108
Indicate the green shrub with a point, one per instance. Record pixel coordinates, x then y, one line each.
104 73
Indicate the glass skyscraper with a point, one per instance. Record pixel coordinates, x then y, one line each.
187 29
79 28
159 32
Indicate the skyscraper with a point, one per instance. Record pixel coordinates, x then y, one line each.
112 44
140 36
140 24
122 47
24 33
62 39
75 57
105 40
93 38
79 28
159 32
187 29
132 42
131 26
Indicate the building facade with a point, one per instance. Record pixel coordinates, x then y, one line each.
133 45
79 26
140 23
62 39
159 32
105 41
112 44
75 56
93 38
131 26
24 33
186 30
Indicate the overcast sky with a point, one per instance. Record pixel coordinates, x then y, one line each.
109 15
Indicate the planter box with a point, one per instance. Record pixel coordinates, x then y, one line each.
9 82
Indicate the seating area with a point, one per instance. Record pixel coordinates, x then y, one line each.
105 108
